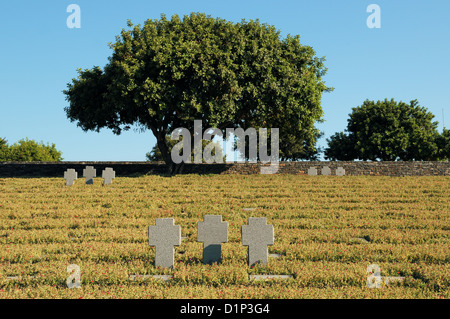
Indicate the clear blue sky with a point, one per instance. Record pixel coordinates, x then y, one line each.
407 58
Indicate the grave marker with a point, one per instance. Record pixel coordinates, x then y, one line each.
375 279
312 171
212 232
340 171
108 175
89 173
326 170
257 235
268 277
164 235
70 176
165 278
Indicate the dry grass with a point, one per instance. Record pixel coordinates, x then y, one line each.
328 230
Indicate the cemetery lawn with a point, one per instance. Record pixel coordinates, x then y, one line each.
328 230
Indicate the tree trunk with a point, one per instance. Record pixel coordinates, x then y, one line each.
171 167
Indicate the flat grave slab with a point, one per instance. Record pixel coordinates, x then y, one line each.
360 239
270 277
20 277
165 278
388 279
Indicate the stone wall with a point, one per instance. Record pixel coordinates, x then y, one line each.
57 169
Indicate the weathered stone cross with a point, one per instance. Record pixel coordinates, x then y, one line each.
340 171
108 175
326 170
212 232
70 176
257 235
89 172
164 235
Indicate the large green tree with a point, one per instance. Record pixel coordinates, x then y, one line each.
168 73
386 130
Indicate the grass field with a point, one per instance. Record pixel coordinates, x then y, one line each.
328 230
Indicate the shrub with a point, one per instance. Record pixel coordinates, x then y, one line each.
4 149
29 151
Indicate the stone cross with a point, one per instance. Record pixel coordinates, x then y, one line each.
312 171
340 171
164 235
326 170
257 235
89 172
212 232
108 175
70 176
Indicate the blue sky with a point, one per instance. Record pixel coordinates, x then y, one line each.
405 59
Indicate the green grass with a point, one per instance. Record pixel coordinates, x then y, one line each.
328 230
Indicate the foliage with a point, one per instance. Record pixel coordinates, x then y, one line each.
155 154
168 73
290 149
26 150
328 230
340 147
443 144
386 130
4 150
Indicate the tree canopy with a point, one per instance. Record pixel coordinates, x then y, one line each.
4 150
168 73
155 154
387 130
443 145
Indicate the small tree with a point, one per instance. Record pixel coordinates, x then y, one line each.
4 150
30 151
443 145
388 131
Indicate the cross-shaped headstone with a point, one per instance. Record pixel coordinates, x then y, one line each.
164 235
212 232
326 170
340 171
257 235
312 171
89 172
70 176
108 175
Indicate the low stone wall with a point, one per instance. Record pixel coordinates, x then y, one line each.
57 169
